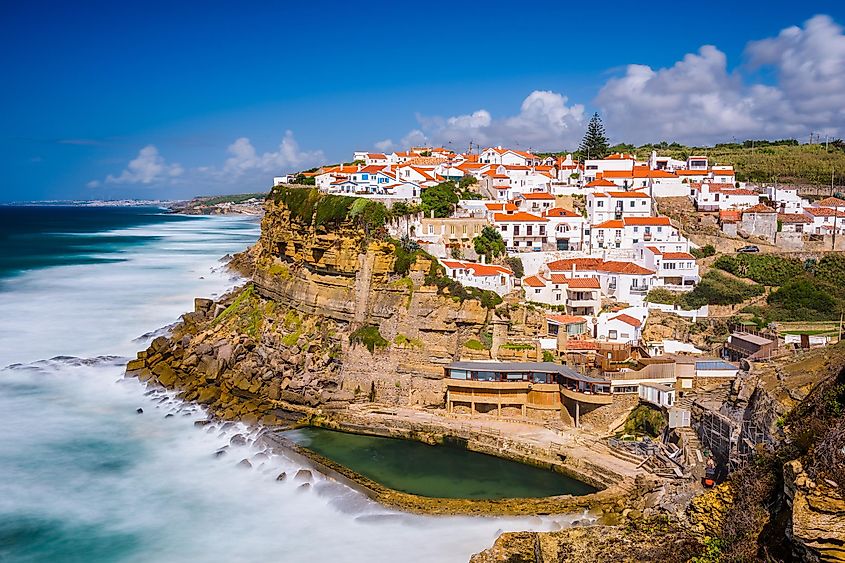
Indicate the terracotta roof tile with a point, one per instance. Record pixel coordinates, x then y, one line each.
628 319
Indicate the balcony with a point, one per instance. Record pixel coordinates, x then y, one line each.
638 290
646 237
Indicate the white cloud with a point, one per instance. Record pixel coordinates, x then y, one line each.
385 145
699 100
289 157
544 121
147 168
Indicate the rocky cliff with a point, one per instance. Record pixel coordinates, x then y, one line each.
336 312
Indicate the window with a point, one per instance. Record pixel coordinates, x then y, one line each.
557 297
465 229
431 229
632 204
600 203
504 228
516 230
529 230
536 291
451 229
611 334
542 230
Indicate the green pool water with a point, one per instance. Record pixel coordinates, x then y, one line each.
435 471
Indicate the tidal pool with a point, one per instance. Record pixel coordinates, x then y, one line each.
436 471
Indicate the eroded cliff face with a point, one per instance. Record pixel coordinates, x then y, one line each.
293 338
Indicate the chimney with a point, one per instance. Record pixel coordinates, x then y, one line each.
483 258
359 168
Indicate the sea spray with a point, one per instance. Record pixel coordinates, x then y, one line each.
88 478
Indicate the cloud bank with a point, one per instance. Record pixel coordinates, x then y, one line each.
695 100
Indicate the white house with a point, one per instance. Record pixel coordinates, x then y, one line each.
786 200
522 231
594 168
376 159
630 231
603 206
676 271
535 202
567 228
580 296
491 277
709 196
619 327
627 282
824 219
499 155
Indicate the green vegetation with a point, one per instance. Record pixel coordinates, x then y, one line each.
236 198
489 243
515 264
594 144
548 356
718 289
369 336
407 251
703 252
310 207
808 291
406 342
247 312
467 181
767 269
304 180
517 346
663 296
762 161
458 292
644 420
474 344
440 198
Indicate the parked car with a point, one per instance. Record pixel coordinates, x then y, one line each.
749 248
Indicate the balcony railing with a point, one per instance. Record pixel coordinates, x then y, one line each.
639 290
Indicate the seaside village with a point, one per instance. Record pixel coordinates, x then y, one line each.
591 245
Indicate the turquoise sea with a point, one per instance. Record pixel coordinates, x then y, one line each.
84 477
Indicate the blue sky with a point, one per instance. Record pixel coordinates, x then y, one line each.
108 99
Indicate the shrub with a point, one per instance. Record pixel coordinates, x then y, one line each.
703 252
548 356
663 296
718 289
369 336
489 243
473 344
767 269
645 420
515 264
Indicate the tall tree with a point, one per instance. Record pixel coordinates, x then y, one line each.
594 144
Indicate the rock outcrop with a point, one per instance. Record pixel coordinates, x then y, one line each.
335 313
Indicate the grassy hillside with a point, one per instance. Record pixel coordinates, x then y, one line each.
761 161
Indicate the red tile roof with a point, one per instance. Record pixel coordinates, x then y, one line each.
831 202
621 194
566 264
601 183
500 207
533 281
560 212
624 268
648 221
628 319
611 224
566 319
584 283
759 208
793 218
678 256
520 216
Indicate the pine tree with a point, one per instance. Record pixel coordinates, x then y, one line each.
594 144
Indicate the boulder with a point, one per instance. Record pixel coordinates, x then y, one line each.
245 463
224 354
166 374
159 344
202 305
303 475
282 476
135 365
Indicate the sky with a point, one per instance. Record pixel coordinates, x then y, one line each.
104 100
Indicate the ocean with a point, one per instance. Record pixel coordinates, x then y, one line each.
85 477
